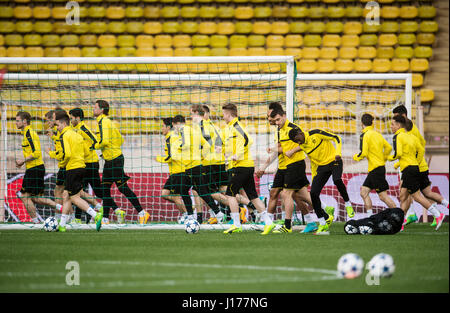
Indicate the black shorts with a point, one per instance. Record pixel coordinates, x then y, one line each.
61 177
376 179
175 183
92 178
33 181
411 179
242 178
278 180
295 177
215 176
424 180
113 171
74 181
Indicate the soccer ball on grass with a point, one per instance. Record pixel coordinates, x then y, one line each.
191 226
51 224
350 265
381 265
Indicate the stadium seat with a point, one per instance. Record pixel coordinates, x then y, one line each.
207 28
427 12
389 12
6 12
426 39
96 27
310 53
389 27
60 13
41 12
406 39
409 26
280 27
163 41
36 52
307 66
13 40
106 41
312 97
293 41
400 65
296 52
7 27
325 65
387 40
348 40
116 27
115 12
238 41
145 52
352 28
423 52
22 12
182 52
334 27
385 52
317 12
371 27
170 27
426 95
51 40
274 41
344 65
227 28
404 52
88 40
367 52
189 12
312 40
417 79
348 52
298 27
134 12
96 12
353 11
200 40
126 41
328 53
243 27
151 12
81 28
258 40
331 40
281 12
368 40
90 52
335 12
243 12
316 27
169 11
208 12
42 27
225 12
363 65
135 27
178 41
262 12
428 27
381 65
32 40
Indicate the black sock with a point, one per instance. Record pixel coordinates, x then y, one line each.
78 213
251 206
287 223
131 196
200 217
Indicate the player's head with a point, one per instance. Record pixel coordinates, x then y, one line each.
49 119
101 107
207 112
408 124
278 116
272 106
367 119
23 119
197 113
229 112
398 121
167 125
76 116
400 110
178 121
62 120
297 136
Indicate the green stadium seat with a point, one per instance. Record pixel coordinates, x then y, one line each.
41 12
126 52
408 12
237 41
293 12
117 27
349 41
13 40
262 12
153 28
126 41
135 27
52 40
371 28
404 52
387 40
170 11
96 12
69 40
406 39
200 40
334 27
335 12
97 27
108 51
363 65
88 40
258 40
32 40
208 12
170 27
368 40
317 12
331 40
389 27
428 26
400 65
189 12
81 28
426 39
243 27
243 12
134 12
6 12
316 27
298 27
90 52
427 12
24 27
7 27
409 26
225 12
419 65
423 52
312 40
353 11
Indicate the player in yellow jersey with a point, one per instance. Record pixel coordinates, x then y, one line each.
237 145
32 189
172 189
376 149
409 152
72 158
109 141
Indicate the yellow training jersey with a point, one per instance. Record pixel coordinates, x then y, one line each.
31 146
281 160
374 147
109 139
73 149
54 154
191 143
238 144
287 144
406 149
172 157
89 141
423 165
212 135
319 147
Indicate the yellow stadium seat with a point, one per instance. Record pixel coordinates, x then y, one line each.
331 40
328 53
143 41
179 41
22 12
334 27
151 12
293 41
335 12
406 39
243 12
182 52
352 28
69 40
41 12
117 27
371 27
363 65
169 11
81 28
225 12
353 11
298 27
296 52
310 52
417 80
152 28
282 12
2 41
145 52
316 27
387 40
90 52
262 28
237 51
24 27
60 13
200 41
163 52
126 41
163 41
6 12
135 27
344 65
381 65
404 52
312 97
104 41
317 12
348 95
51 40
389 27
88 40
253 40
280 27
189 12
96 12
170 27
127 52
208 12
207 28
243 27
7 27
307 65
348 52
256 51
189 27
349 41
408 12
115 12
36 52
409 26
312 40
368 40
427 11
428 26
426 95
238 41
262 12
389 12
325 65
423 52
43 27
274 41
400 65
385 52
13 40
134 12
426 38
32 40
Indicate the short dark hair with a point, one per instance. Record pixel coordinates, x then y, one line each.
77 112
401 109
367 119
178 119
206 108
49 114
294 132
61 115
277 111
104 105
408 124
231 107
198 109
400 119
168 121
24 116
275 105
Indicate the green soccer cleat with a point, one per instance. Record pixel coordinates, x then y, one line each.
329 221
434 223
233 229
268 229
350 211
120 214
322 230
329 210
283 230
98 220
412 218
62 229
310 228
279 222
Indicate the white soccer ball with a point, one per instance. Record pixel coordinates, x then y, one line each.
182 219
365 230
351 230
381 265
51 224
350 266
191 226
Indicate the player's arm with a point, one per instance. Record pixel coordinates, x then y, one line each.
397 147
266 164
33 141
66 151
166 158
333 137
364 148
387 148
420 151
291 152
104 134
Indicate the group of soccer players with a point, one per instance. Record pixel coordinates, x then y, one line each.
78 166
217 164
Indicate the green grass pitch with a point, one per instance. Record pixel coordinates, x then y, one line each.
167 261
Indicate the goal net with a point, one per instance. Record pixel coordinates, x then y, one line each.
143 91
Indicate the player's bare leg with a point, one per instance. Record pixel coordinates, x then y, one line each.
29 206
176 199
76 199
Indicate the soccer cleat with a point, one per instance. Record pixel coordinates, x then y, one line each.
233 229
411 219
329 221
329 210
322 230
268 229
350 211
120 214
77 220
143 219
279 222
242 214
283 230
434 222
310 228
439 220
98 220
62 229
212 220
